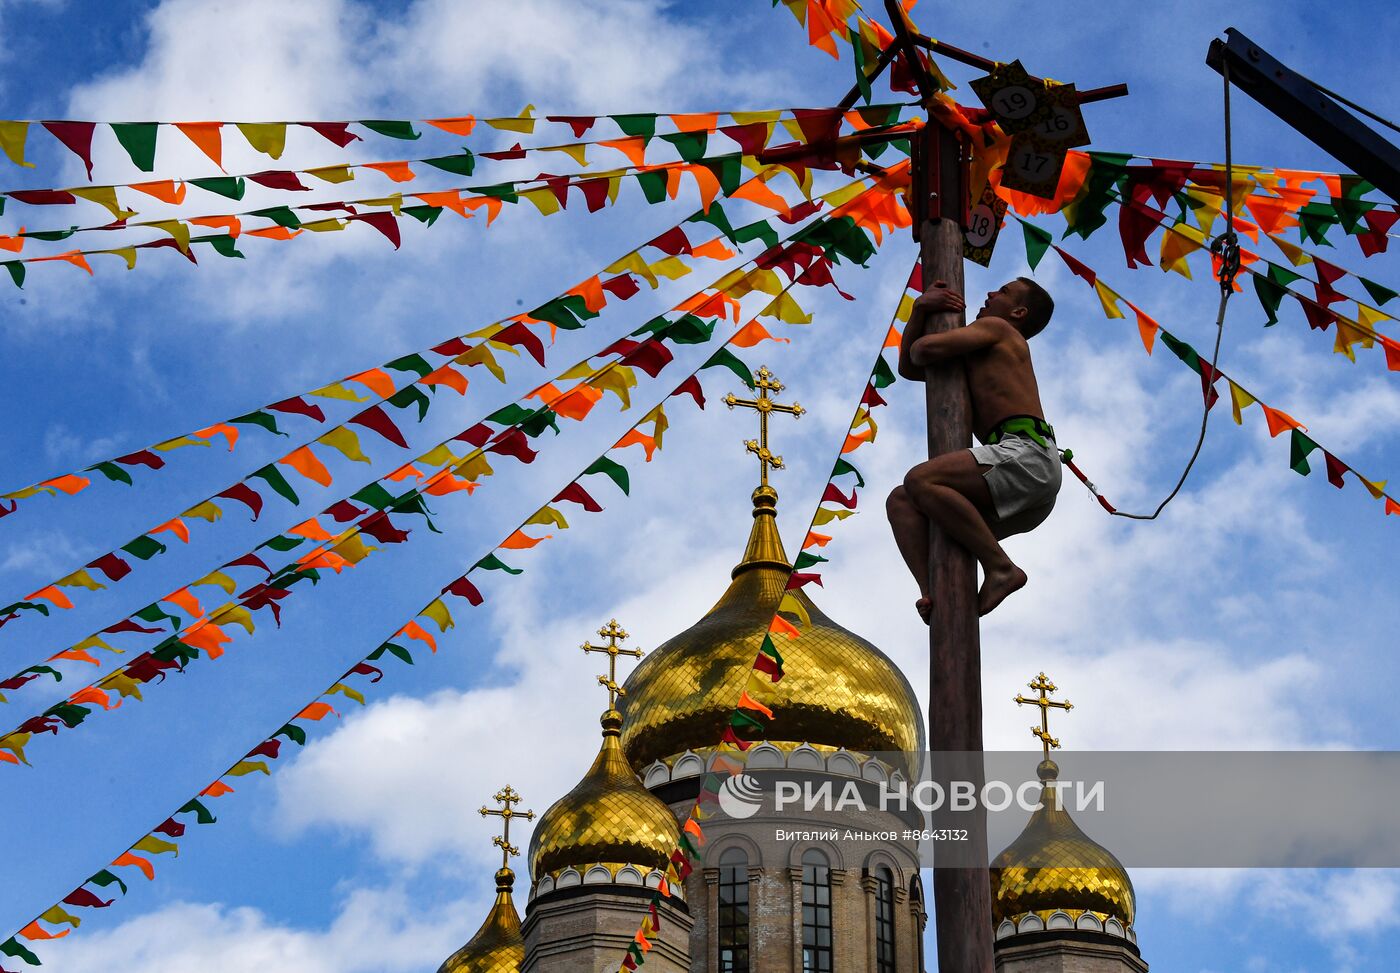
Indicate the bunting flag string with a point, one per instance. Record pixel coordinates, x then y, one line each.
712 175
691 145
567 310
829 21
1181 240
753 712
1139 220
1278 421
354 682
572 310
139 139
1090 181
209 633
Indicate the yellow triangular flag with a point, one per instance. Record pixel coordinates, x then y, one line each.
105 196
1109 299
269 138
345 442
544 199
12 136
524 122
1239 399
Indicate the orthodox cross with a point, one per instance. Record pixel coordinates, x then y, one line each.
613 633
1044 687
507 798
765 382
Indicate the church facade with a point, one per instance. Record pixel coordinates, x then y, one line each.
1062 904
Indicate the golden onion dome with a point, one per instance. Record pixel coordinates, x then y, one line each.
837 690
608 818
1052 866
498 946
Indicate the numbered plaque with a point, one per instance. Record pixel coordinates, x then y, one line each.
1033 166
983 225
1063 125
1016 99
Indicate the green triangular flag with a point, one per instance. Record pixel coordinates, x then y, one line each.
462 164
614 471
281 215
717 218
690 145
393 128
143 547
689 330
1379 292
12 947
760 230
427 215
842 468
105 878
884 375
1037 243
725 358
139 140
492 563
264 419
273 477
653 185
223 244
231 187
1298 449
1270 297
643 125
201 813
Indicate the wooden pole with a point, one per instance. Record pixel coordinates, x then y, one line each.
961 895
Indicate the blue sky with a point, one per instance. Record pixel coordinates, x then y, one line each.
1256 613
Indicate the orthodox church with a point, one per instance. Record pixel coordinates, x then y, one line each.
598 853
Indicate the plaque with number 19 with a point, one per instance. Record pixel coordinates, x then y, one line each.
1016 99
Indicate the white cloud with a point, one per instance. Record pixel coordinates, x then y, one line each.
374 930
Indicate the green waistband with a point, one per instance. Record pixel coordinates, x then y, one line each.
1036 430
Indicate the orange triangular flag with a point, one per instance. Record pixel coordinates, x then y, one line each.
305 462
1279 421
206 136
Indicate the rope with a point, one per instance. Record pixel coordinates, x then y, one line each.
1226 248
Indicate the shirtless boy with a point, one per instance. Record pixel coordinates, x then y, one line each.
1006 486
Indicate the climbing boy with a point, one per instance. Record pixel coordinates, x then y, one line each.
1008 484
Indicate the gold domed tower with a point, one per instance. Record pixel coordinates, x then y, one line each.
607 821
1056 893
498 946
838 691
842 716
597 855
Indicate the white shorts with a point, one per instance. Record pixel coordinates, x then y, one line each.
1024 475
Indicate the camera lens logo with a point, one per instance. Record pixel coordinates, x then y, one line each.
740 797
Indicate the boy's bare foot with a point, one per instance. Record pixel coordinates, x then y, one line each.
997 585
925 608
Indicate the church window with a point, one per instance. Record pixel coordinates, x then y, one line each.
734 911
816 913
916 896
884 921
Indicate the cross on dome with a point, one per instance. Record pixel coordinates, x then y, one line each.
507 798
1044 687
765 382
613 633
